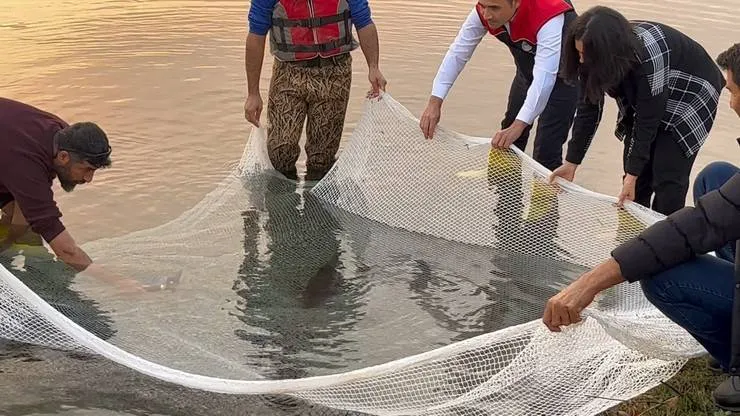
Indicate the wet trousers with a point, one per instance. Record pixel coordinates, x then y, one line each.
313 92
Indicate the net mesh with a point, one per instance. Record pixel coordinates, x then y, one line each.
410 280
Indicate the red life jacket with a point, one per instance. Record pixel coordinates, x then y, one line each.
528 20
306 29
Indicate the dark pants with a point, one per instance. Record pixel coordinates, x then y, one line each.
553 125
698 295
665 179
315 93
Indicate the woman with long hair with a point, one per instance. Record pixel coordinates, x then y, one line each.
667 90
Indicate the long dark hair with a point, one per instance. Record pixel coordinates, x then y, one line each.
610 48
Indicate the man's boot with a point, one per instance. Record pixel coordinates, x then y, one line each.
714 366
727 395
317 171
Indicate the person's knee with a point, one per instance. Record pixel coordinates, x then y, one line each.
657 292
712 177
12 215
651 290
6 213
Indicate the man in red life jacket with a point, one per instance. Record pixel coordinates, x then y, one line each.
534 31
311 41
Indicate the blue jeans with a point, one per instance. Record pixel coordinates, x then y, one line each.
698 295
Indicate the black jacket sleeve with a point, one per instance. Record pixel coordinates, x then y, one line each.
585 124
691 231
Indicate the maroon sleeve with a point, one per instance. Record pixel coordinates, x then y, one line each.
31 188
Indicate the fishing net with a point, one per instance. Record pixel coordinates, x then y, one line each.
411 280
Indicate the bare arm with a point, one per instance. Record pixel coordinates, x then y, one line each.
68 251
253 56
369 42
368 37
65 247
565 308
458 54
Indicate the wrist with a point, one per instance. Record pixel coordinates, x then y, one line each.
604 276
520 124
434 100
629 178
573 155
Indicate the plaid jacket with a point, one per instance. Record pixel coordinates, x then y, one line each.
675 88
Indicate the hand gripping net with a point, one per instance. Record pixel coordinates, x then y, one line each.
411 280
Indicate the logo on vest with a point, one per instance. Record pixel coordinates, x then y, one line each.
526 47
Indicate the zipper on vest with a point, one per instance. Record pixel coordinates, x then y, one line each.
313 29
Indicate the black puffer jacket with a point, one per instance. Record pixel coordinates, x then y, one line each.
691 231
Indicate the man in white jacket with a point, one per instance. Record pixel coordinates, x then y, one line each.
534 31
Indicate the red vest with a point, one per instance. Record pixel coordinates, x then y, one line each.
528 20
306 29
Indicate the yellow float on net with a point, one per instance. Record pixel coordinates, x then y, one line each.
503 164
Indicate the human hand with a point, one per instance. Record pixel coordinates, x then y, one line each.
129 286
377 82
504 138
431 116
566 171
126 285
628 190
565 308
253 109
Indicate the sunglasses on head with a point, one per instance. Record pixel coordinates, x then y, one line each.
95 159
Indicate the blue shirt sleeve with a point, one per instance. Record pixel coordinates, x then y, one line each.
360 12
260 16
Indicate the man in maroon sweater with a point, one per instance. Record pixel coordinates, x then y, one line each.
35 148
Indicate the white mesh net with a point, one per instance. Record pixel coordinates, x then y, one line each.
411 280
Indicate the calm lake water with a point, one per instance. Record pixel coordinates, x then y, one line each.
165 79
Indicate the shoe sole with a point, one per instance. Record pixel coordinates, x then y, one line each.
729 409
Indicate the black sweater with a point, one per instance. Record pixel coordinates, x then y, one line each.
691 231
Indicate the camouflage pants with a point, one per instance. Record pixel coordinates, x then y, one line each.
317 95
